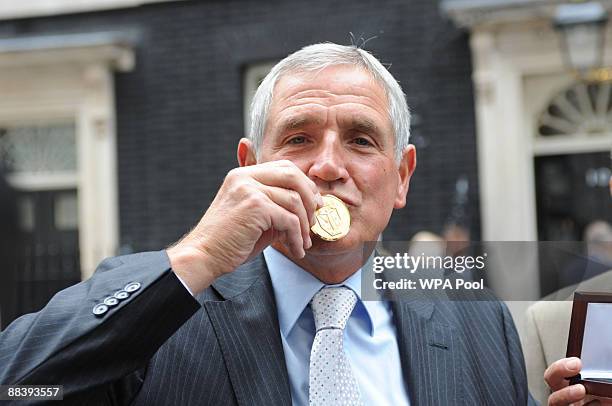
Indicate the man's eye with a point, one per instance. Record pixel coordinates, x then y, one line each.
362 141
297 140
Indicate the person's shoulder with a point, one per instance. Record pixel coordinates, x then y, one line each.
550 307
559 303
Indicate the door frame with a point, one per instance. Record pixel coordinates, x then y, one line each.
70 77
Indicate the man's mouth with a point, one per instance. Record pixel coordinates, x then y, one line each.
346 200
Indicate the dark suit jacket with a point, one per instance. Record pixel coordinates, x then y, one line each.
160 346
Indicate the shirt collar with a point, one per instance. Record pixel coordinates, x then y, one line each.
294 287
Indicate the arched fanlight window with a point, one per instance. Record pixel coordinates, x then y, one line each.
583 109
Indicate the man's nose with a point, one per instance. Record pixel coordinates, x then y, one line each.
329 163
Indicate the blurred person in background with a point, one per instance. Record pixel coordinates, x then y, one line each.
426 243
457 237
429 244
598 256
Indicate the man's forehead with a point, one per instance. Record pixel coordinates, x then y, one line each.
336 77
300 99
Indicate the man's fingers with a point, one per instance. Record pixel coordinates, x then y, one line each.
568 395
288 224
286 175
556 374
291 201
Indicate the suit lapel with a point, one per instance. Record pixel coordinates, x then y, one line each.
246 325
429 354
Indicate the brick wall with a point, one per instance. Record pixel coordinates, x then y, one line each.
180 111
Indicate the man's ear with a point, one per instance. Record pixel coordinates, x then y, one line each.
406 169
246 153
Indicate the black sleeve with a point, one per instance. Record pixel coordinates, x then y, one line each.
67 343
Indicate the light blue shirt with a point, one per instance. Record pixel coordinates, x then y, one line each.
370 340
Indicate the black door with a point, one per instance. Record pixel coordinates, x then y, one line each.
572 194
49 259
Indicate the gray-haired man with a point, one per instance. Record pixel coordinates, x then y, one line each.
212 320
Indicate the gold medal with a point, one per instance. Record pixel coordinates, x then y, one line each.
333 219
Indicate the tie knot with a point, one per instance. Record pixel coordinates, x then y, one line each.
332 307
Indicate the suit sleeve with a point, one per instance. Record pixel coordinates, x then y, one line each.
90 351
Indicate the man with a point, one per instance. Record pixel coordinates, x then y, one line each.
548 323
598 259
287 326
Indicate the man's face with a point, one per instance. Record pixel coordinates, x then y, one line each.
335 126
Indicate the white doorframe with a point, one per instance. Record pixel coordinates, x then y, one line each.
517 70
75 83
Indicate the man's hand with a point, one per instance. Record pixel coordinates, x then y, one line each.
564 393
256 205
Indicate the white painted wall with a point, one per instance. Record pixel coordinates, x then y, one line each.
10 9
